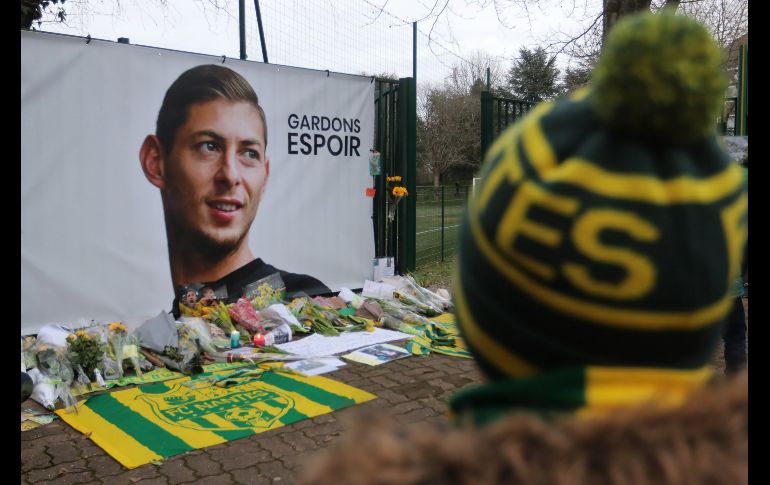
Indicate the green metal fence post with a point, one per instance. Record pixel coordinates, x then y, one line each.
742 108
486 122
442 223
407 215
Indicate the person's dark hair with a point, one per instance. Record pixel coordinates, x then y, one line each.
199 85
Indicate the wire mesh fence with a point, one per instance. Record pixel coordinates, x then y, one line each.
439 214
348 36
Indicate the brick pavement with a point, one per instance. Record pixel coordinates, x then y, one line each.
411 389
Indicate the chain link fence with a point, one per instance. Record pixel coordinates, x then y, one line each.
439 213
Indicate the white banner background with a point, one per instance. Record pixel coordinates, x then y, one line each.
93 241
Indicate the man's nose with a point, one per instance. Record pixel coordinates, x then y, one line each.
229 170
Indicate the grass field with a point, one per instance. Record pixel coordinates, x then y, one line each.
429 222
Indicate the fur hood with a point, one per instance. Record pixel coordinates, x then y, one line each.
703 442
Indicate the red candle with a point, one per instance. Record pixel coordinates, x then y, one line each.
259 340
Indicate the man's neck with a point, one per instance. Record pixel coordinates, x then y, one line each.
189 266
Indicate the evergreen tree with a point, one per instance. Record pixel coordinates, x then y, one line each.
534 76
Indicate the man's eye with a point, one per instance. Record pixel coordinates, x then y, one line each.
208 147
252 154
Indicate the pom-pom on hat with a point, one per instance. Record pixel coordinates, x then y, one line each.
608 226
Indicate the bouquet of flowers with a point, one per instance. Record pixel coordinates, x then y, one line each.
414 303
327 321
396 192
401 312
28 352
220 316
244 314
265 292
196 329
57 374
86 352
426 296
123 347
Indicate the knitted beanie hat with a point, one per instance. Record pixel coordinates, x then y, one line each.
608 226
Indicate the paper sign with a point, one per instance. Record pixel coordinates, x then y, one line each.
377 354
315 366
317 345
372 289
383 267
374 164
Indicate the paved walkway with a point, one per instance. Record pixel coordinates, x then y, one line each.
411 389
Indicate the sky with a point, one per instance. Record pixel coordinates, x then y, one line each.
340 35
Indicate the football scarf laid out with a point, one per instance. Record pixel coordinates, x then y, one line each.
441 336
154 421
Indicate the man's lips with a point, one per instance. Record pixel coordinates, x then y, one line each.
224 209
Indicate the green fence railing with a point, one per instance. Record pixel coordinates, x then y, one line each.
438 216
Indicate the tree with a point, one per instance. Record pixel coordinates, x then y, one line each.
576 78
448 131
614 10
449 115
470 76
33 10
534 76
727 19
34 13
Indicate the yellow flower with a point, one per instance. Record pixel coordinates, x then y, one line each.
399 191
117 326
81 334
71 336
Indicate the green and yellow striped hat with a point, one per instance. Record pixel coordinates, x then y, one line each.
608 226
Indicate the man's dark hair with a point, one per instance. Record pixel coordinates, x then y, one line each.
199 85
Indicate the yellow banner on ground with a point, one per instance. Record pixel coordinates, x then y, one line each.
147 423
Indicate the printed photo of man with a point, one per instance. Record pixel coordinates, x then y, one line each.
208 159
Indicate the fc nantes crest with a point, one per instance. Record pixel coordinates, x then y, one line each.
154 421
215 409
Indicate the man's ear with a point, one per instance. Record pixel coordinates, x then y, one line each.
151 157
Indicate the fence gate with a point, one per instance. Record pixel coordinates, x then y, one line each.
395 140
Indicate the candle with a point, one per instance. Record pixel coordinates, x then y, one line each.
259 340
235 337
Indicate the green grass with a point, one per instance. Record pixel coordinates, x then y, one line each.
428 223
436 275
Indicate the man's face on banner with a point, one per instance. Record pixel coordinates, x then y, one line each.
216 172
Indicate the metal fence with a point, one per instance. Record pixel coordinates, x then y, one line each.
726 122
439 213
496 114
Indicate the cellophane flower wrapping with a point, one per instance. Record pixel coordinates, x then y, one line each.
266 291
117 337
426 296
28 349
57 372
244 314
396 192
